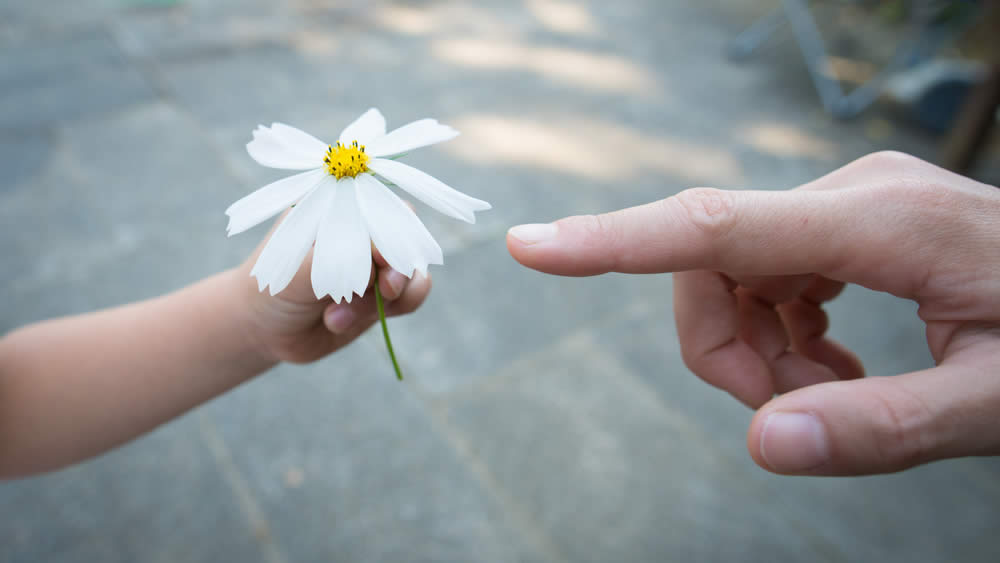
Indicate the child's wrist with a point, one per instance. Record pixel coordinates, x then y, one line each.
246 310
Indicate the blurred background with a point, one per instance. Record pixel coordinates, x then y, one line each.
543 418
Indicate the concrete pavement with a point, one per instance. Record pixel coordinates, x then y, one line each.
543 419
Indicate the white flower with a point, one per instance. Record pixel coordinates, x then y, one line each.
341 205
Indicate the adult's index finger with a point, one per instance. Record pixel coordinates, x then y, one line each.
849 235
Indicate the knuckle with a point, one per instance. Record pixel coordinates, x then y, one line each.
920 196
902 438
915 194
905 179
604 230
700 359
711 211
691 358
702 369
889 160
602 225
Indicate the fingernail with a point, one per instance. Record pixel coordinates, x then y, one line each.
793 442
533 233
340 319
396 281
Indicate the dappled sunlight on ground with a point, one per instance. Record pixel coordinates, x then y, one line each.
589 148
784 139
543 418
439 18
561 16
594 71
405 19
312 42
554 16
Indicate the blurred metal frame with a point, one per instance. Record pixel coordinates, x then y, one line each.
923 39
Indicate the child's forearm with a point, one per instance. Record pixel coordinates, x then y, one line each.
72 388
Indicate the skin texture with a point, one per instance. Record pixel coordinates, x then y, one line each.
74 387
752 271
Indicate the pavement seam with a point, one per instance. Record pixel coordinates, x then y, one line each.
241 490
149 69
438 403
529 528
454 439
825 548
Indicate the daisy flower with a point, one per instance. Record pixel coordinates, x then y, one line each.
340 204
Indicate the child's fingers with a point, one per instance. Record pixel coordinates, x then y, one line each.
391 283
377 256
340 318
413 296
401 296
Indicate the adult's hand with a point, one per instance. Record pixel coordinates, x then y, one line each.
753 269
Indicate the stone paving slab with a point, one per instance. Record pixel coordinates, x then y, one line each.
117 209
152 500
598 462
543 419
51 80
351 468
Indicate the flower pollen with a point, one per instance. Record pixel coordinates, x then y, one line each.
345 160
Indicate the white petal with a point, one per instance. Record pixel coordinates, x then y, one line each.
270 200
396 231
429 189
369 126
342 257
291 241
411 136
299 141
272 150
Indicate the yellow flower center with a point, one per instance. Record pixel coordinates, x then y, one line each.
345 160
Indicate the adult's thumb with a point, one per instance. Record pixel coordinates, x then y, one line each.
879 424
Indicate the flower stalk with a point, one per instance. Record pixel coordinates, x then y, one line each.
385 328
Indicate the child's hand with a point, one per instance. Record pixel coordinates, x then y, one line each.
123 371
294 326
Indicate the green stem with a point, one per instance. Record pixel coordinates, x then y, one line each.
385 328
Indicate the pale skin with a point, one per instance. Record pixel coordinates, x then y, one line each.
75 387
751 272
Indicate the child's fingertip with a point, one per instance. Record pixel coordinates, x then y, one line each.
421 279
396 283
377 257
338 319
